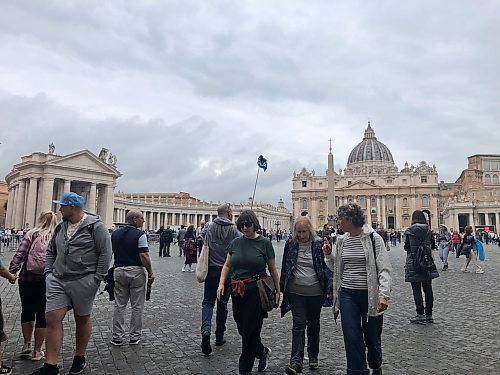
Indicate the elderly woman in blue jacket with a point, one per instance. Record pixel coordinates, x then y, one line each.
361 288
304 280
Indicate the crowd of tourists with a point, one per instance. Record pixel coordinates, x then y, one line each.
59 267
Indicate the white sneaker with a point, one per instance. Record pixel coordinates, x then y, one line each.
184 269
37 356
26 351
191 269
480 271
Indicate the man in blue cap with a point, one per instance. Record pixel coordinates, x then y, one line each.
78 259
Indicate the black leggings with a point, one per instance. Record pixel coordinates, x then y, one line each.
33 300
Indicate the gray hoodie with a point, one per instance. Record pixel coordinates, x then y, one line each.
88 251
220 233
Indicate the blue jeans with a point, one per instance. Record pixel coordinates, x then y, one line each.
443 252
208 304
360 332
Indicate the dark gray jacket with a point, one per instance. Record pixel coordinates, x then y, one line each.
88 251
220 233
413 236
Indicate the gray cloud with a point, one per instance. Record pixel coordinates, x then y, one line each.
188 94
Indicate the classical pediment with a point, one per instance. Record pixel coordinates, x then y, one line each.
85 160
361 184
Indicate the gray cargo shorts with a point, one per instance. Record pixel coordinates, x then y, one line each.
78 294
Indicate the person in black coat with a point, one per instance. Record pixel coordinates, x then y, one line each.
420 279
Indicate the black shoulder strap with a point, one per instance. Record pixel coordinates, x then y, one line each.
373 245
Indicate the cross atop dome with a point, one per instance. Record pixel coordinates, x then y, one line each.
369 132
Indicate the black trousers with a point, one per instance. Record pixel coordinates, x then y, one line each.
417 288
249 317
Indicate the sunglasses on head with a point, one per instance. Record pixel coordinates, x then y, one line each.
246 224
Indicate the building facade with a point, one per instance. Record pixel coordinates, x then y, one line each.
474 198
41 178
371 179
182 209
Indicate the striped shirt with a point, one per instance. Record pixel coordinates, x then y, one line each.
354 275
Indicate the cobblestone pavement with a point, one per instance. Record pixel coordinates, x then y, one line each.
464 339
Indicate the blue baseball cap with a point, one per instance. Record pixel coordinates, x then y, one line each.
71 199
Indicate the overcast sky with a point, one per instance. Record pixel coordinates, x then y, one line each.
187 94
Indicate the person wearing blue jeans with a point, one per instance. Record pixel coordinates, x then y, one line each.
354 309
361 289
444 239
208 304
217 235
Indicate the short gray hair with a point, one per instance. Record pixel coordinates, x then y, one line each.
132 215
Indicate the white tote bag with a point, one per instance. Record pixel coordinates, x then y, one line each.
202 265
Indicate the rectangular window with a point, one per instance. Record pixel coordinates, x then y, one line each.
423 179
405 181
388 181
348 182
373 182
304 183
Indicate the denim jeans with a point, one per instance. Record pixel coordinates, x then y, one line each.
208 304
306 311
443 252
360 332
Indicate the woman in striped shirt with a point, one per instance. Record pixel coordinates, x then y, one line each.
361 288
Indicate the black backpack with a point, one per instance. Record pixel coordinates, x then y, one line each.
422 260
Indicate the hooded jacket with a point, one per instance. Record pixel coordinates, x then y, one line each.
88 251
413 236
219 234
378 270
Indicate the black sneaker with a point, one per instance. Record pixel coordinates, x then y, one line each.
377 371
46 369
418 319
220 341
5 370
313 363
206 348
116 342
134 341
293 369
429 318
79 364
264 358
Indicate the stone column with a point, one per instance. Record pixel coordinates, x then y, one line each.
150 221
31 202
91 203
107 205
10 207
383 216
47 193
20 199
67 186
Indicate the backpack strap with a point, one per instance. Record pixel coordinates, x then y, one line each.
373 246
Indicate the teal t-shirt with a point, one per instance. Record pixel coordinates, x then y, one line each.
249 257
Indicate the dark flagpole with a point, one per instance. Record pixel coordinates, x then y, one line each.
255 187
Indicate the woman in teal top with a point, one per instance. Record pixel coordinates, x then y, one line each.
247 259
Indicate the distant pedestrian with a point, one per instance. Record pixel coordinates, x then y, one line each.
29 261
189 248
361 288
421 280
443 240
168 237
132 261
77 261
219 234
467 248
180 238
247 259
161 247
304 280
385 236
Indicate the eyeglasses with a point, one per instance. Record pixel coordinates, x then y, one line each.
246 224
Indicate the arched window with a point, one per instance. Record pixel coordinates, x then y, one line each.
405 202
425 201
304 204
495 179
487 179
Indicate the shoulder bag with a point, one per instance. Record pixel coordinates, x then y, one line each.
202 265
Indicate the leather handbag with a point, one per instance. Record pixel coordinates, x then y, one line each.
202 265
267 293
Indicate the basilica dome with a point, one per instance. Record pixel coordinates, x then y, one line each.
370 149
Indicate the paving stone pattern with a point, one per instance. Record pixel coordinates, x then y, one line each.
465 338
